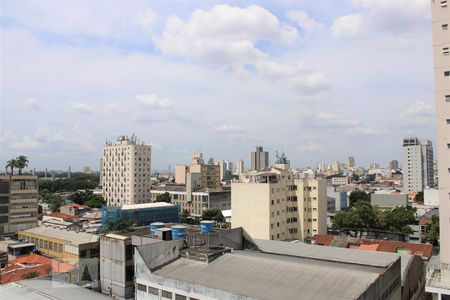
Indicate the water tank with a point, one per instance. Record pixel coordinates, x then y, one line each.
178 232
155 226
206 226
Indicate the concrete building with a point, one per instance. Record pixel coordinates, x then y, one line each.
201 199
431 197
226 169
339 180
18 203
417 164
393 165
274 205
198 174
351 162
388 201
126 172
335 167
273 270
259 159
374 166
338 196
439 272
239 167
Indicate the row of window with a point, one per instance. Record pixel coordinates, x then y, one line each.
42 244
164 294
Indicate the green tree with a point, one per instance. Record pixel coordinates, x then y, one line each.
419 197
22 163
361 216
398 219
431 234
118 225
213 214
87 198
164 198
56 201
11 164
356 196
185 216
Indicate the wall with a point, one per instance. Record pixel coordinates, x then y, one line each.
389 201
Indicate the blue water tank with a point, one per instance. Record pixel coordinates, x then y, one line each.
206 226
155 226
178 232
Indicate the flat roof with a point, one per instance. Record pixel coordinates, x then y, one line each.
22 245
45 288
145 205
332 254
268 276
59 233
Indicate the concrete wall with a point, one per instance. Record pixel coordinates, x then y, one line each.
431 197
388 200
413 285
158 254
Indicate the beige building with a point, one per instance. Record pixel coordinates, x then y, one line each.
439 274
126 172
273 205
198 174
18 203
351 162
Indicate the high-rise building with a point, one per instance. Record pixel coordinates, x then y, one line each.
226 168
274 205
441 44
198 174
393 165
260 159
374 166
336 166
351 162
18 203
240 168
126 172
417 164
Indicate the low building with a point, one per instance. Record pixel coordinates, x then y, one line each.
18 203
142 214
16 248
74 209
339 180
339 196
274 270
387 201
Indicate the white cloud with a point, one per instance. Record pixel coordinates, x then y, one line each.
113 108
304 20
310 147
310 84
26 143
7 135
419 108
229 129
350 26
82 107
362 131
33 103
224 35
154 101
334 120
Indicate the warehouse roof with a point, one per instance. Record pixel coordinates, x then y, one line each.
145 205
71 236
268 276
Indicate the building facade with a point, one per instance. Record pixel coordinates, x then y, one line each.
18 203
198 174
351 162
393 165
260 159
239 168
126 172
272 205
417 164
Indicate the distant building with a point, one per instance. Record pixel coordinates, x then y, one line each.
272 205
374 166
351 162
239 167
338 196
198 174
393 165
226 169
388 201
18 203
339 180
260 159
126 172
417 164
336 167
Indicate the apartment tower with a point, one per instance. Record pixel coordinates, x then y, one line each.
260 159
126 172
351 162
417 164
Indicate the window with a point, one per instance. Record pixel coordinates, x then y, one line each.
447 73
447 98
152 290
444 27
142 288
448 121
445 51
180 297
166 294
443 3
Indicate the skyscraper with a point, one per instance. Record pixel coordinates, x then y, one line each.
260 159
417 164
393 165
239 167
351 162
126 172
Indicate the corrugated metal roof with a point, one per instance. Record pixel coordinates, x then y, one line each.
71 236
268 276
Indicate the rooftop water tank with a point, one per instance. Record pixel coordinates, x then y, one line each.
206 226
178 232
155 226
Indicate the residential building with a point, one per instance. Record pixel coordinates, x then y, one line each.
273 270
141 214
274 205
374 166
239 167
393 165
202 199
126 172
431 197
198 174
259 159
338 196
417 164
439 272
335 167
339 180
18 203
74 209
351 162
226 169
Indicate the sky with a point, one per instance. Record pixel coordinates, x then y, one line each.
319 80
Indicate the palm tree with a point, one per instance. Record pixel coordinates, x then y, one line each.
22 162
12 163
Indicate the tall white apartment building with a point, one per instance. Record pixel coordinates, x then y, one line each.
272 205
417 164
126 172
438 281
351 162
239 168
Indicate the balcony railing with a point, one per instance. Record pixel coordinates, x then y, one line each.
435 278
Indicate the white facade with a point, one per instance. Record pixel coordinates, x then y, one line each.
351 162
126 172
417 164
431 197
239 169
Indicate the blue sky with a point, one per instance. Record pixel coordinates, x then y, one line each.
320 80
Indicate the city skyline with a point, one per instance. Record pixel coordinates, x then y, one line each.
328 73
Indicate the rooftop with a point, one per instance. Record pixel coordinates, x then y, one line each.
145 205
71 236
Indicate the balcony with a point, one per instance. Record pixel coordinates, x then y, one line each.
438 278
